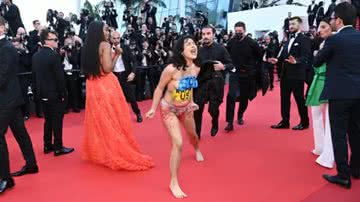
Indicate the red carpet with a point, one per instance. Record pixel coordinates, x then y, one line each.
254 163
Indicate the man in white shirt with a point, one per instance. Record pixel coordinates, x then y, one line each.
125 71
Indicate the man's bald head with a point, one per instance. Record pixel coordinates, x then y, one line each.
115 38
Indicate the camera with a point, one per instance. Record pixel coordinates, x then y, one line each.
68 48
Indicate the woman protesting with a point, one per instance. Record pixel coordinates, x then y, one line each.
174 93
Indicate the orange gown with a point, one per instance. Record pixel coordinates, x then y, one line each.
109 138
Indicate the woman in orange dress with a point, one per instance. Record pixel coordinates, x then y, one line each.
109 138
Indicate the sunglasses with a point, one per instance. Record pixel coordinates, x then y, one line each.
55 40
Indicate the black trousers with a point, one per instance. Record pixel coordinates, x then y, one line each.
25 82
311 19
73 87
212 92
344 118
128 91
54 115
239 90
151 75
13 118
270 67
297 88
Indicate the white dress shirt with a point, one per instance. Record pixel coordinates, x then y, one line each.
292 41
119 66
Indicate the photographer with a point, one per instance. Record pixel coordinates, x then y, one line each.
61 26
11 14
110 14
24 75
70 53
129 18
270 50
34 38
145 70
149 10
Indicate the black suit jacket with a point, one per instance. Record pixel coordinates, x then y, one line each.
49 74
10 91
341 54
301 50
128 60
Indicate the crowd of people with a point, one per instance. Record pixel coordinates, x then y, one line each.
182 70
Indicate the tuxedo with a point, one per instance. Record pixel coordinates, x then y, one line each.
10 114
294 75
127 67
51 89
342 89
312 10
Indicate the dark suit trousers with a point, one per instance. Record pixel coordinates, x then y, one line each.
345 119
128 92
54 115
13 118
271 68
73 87
239 87
211 91
297 88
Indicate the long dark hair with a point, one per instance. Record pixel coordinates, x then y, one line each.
90 58
178 59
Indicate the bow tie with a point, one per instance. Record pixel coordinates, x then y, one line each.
292 36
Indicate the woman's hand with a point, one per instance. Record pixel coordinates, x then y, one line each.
150 114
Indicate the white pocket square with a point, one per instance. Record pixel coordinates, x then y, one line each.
296 44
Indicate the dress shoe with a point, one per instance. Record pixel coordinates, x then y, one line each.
139 118
346 183
48 150
63 151
76 110
26 118
26 170
6 184
214 131
301 127
241 121
229 127
281 125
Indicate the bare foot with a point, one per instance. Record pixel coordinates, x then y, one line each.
176 191
199 156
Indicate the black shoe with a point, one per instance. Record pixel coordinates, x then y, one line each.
346 183
271 88
26 118
26 170
139 118
6 184
241 121
63 151
48 150
281 125
355 174
76 110
301 127
229 127
214 131
39 116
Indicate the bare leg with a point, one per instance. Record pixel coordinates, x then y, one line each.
171 122
190 128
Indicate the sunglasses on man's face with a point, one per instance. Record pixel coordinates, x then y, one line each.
55 40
